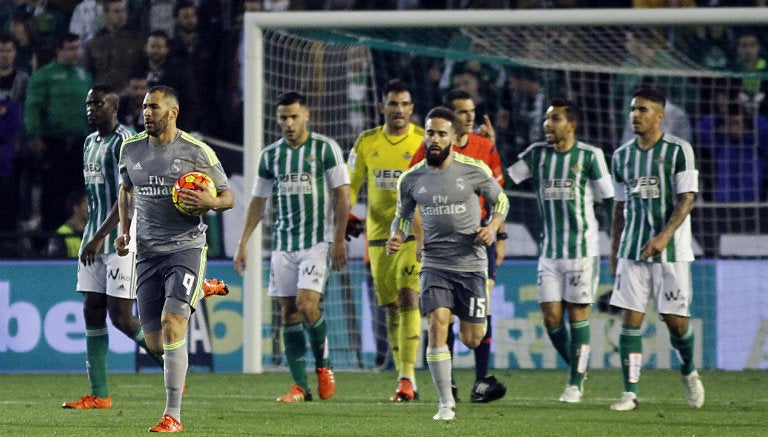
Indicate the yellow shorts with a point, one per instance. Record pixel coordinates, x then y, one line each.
393 273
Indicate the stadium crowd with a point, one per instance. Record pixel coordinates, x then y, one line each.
53 51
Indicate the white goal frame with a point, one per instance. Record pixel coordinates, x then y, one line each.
256 22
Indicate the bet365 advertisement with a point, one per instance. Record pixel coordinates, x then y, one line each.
42 327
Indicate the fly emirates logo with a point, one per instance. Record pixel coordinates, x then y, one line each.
440 206
155 187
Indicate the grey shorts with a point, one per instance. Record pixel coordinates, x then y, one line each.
172 282
464 293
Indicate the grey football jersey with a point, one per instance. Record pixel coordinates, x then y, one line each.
449 204
151 170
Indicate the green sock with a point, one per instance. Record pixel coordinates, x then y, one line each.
561 341
295 348
579 351
318 341
97 346
684 346
631 352
138 337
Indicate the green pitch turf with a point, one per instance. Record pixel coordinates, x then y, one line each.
244 405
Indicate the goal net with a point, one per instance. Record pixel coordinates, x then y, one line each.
513 63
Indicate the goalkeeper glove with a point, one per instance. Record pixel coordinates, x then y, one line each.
355 227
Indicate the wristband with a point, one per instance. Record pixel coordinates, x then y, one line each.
500 236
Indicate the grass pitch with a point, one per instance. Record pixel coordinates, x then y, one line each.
244 405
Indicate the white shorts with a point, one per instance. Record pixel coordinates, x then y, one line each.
571 280
302 269
109 273
667 283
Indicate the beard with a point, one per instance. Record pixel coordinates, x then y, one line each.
438 159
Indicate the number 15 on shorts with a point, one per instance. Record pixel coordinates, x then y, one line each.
477 307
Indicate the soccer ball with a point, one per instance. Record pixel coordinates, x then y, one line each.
187 182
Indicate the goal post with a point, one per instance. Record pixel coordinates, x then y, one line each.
581 55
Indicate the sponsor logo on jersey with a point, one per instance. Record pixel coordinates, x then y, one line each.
645 187
295 183
136 166
386 179
558 189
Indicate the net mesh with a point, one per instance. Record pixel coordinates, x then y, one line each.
512 72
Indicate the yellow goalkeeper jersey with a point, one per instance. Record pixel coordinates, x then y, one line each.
381 158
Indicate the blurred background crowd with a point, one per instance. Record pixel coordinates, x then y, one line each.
53 51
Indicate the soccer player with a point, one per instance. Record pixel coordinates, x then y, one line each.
306 173
479 146
105 279
379 156
170 246
446 189
569 176
656 180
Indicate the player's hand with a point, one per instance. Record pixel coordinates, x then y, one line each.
121 244
198 199
419 249
338 256
655 246
486 130
355 227
483 237
394 243
501 251
90 250
241 260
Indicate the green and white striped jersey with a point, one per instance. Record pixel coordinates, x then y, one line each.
300 182
649 182
567 185
102 180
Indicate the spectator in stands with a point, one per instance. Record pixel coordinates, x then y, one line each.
57 126
748 60
13 84
23 27
69 236
199 49
113 48
710 46
523 98
737 141
230 85
131 112
87 19
159 69
51 23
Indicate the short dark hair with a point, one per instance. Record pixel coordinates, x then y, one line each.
651 94
455 94
104 88
572 113
166 90
444 113
6 37
183 4
290 98
67 38
159 33
394 86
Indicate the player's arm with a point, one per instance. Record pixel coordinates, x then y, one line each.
93 246
656 245
617 227
252 219
401 224
124 204
357 172
341 206
498 204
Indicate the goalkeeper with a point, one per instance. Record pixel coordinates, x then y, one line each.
379 156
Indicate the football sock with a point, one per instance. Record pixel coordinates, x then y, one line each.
295 348
97 345
174 374
561 340
439 362
684 347
450 342
393 328
483 352
579 351
410 330
318 341
631 352
138 337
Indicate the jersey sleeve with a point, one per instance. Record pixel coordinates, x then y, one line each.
619 193
405 208
265 179
357 170
686 173
335 167
601 176
495 200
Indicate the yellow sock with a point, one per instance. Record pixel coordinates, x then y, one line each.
410 333
393 328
